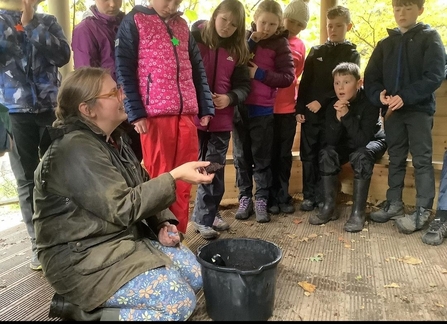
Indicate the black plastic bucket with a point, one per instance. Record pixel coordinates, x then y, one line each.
243 289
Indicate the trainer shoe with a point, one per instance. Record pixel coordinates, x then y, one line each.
207 232
390 210
219 224
437 231
273 209
245 209
413 222
262 215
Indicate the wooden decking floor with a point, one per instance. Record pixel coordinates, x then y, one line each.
361 276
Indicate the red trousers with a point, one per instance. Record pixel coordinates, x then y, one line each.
169 142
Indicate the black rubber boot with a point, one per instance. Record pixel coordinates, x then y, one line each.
329 211
61 308
357 218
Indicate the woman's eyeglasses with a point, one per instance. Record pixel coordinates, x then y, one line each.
117 92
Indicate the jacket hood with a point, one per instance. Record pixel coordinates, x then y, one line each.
150 11
416 29
93 12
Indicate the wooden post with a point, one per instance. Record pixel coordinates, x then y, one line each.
61 10
324 6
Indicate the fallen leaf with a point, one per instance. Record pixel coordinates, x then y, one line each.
322 225
297 221
365 230
306 293
307 286
352 241
392 285
362 307
318 257
387 259
341 239
439 305
304 239
312 236
431 284
349 203
348 246
444 271
292 236
359 277
410 260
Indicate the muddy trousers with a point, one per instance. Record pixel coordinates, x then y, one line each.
169 142
27 130
252 144
284 129
213 146
410 131
362 160
311 142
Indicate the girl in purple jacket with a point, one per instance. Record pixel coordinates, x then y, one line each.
271 67
224 50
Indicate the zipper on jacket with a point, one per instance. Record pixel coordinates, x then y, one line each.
148 89
178 68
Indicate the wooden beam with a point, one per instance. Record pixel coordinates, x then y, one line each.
61 10
324 6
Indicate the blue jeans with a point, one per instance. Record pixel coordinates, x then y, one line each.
161 294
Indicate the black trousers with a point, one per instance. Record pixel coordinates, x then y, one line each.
362 160
27 130
410 131
284 130
213 146
311 142
252 145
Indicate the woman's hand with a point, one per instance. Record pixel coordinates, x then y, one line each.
168 235
193 172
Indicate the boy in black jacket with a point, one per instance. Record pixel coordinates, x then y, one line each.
314 91
352 134
402 75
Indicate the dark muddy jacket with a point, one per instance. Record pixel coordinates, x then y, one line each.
94 213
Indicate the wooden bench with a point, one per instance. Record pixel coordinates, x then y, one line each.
379 181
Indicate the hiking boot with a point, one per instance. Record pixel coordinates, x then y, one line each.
261 211
34 261
287 208
307 205
245 209
207 232
413 222
273 209
437 231
219 224
390 210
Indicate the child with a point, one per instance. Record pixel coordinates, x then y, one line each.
296 16
403 73
160 68
33 47
271 67
93 44
353 133
315 89
224 51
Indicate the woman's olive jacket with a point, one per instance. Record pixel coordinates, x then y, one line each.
95 210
